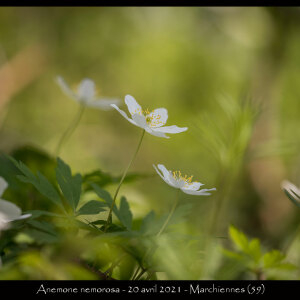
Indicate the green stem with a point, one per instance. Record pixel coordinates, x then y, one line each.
70 129
108 221
135 273
152 249
170 214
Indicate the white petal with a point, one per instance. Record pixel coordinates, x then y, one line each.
156 133
123 113
86 89
164 170
170 129
3 185
203 192
159 117
10 210
104 104
291 188
3 222
165 179
193 186
140 120
133 106
65 88
23 217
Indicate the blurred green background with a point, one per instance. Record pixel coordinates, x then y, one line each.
229 74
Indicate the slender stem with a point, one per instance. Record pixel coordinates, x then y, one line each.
143 271
135 273
152 249
70 129
121 181
170 214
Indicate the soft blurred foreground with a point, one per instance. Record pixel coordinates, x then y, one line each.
228 74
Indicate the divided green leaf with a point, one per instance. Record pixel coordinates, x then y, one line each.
92 207
39 181
69 185
124 214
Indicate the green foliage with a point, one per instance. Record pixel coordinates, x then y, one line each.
249 255
124 214
103 179
39 181
69 185
92 207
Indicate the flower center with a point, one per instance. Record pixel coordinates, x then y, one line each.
179 177
152 119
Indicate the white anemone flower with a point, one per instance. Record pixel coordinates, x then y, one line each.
184 183
86 94
153 122
8 211
292 191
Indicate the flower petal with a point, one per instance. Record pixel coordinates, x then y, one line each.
165 175
23 217
156 133
3 185
203 192
140 120
10 210
65 88
159 117
3 222
104 104
133 106
123 113
86 89
164 170
193 186
291 189
170 129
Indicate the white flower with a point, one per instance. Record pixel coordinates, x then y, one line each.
292 191
184 183
86 94
153 122
8 211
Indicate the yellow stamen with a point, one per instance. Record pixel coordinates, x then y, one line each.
151 118
187 180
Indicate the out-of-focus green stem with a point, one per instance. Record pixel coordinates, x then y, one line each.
108 221
73 125
170 214
152 249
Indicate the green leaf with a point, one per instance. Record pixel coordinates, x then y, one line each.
39 181
239 239
105 196
124 214
92 207
41 237
254 250
43 226
69 185
273 259
103 178
180 213
234 255
37 213
148 221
